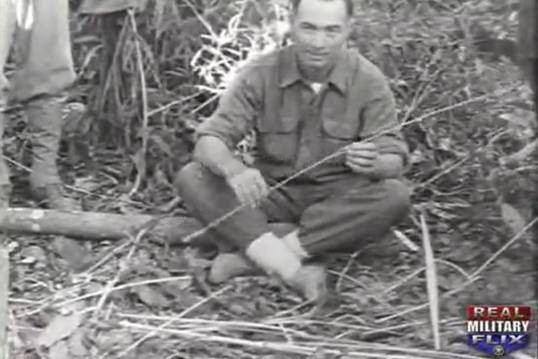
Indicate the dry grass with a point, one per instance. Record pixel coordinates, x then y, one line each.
252 316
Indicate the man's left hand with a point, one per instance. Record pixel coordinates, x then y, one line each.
362 157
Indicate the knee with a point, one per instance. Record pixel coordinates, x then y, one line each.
398 198
188 177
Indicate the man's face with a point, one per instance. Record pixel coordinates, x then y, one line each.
319 29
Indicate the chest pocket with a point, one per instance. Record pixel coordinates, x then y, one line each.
337 132
277 138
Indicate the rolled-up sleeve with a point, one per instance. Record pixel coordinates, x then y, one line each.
238 107
379 120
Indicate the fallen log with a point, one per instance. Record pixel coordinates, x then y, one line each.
94 225
108 226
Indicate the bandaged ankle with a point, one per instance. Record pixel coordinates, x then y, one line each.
272 255
292 241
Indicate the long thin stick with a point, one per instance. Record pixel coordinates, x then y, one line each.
431 279
141 172
336 154
370 351
519 235
167 323
473 278
122 268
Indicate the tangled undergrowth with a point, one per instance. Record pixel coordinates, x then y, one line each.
467 116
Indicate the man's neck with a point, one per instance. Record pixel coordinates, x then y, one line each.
315 74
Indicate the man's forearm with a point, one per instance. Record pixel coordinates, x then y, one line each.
389 165
213 153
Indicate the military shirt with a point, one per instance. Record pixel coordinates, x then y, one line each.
295 126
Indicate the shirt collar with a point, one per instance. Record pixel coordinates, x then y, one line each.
289 73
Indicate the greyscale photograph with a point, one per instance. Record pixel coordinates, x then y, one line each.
274 179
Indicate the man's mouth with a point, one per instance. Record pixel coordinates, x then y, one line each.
316 56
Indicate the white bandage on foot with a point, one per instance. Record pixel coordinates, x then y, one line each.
272 255
292 241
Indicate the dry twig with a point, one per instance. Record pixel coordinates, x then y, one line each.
431 279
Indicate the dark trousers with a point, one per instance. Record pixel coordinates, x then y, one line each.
340 215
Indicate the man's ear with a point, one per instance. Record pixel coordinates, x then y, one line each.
352 25
291 18
291 23
351 29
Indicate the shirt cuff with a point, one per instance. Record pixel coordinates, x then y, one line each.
227 141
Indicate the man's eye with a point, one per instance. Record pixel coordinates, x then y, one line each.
333 30
307 27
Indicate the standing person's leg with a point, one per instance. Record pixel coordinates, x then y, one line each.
7 26
46 70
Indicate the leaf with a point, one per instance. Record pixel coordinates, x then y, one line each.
520 155
464 252
512 218
417 156
521 122
113 340
12 246
59 328
73 252
176 288
150 296
76 345
35 252
59 351
163 146
88 183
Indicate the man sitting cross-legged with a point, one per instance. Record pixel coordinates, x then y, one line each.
304 102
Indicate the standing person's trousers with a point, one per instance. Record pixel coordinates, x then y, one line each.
342 215
38 32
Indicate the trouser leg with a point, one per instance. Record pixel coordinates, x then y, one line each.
45 127
45 122
46 69
44 52
355 213
40 81
7 26
208 198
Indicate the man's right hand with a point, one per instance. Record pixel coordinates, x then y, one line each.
247 183
249 186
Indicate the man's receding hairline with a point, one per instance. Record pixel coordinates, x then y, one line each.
349 5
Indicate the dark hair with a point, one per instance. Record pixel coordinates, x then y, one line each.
349 5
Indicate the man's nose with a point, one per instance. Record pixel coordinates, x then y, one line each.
319 39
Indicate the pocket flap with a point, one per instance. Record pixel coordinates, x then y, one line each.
284 124
340 128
